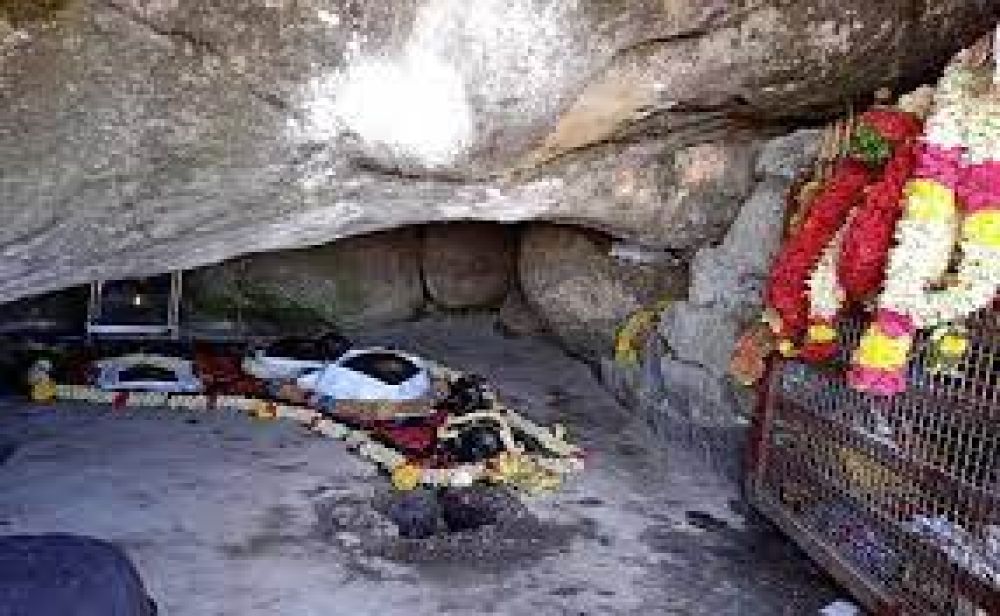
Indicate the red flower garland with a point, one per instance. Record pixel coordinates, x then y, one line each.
895 126
787 290
864 252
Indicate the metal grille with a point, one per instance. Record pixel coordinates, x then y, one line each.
900 497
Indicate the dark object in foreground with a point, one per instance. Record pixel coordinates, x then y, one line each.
415 514
66 575
476 444
470 508
466 395
423 513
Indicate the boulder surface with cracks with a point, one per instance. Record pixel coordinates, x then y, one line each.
138 137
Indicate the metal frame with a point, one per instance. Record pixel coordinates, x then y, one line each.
942 458
171 329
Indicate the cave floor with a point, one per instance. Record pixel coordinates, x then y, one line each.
228 516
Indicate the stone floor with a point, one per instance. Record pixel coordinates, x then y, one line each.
227 516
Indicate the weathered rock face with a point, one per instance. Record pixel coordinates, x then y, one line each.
468 265
727 282
680 382
517 318
138 136
350 284
583 293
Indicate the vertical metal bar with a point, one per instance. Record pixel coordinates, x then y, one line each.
174 311
93 307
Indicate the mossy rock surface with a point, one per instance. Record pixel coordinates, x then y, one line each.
349 284
20 12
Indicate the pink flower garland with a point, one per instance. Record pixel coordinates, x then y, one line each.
979 188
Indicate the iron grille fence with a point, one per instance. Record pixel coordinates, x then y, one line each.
898 498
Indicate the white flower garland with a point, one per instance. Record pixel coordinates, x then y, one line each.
978 277
567 458
925 243
962 134
826 296
922 254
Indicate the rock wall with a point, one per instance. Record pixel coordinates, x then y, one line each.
559 279
369 280
681 383
139 136
584 294
727 282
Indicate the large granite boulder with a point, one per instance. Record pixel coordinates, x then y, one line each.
468 265
138 136
583 293
351 284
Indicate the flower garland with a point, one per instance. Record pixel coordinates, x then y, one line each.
865 248
826 297
959 165
852 264
807 299
532 472
633 334
895 126
786 294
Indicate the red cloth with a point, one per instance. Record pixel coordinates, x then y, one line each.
223 375
415 437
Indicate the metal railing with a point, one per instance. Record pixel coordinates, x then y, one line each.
898 498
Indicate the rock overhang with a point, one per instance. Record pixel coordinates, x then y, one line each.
146 136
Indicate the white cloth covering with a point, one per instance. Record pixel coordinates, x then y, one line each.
109 374
342 383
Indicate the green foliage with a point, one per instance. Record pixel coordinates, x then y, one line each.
868 146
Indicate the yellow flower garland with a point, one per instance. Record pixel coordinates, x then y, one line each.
983 228
884 352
